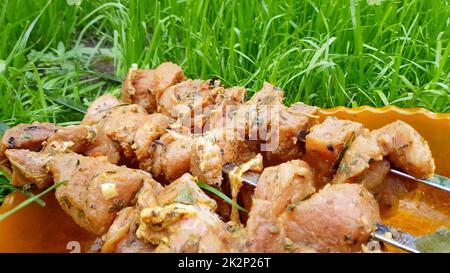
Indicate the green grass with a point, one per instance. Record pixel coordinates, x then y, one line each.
325 53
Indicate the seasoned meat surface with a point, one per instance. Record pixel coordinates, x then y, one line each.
278 189
190 102
29 167
120 124
184 221
291 123
28 136
98 108
83 139
339 218
398 142
207 160
75 138
172 160
144 87
327 141
153 127
121 236
95 190
213 149
24 136
406 149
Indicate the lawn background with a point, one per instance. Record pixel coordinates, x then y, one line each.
325 53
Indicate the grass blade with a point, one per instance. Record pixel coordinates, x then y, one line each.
207 187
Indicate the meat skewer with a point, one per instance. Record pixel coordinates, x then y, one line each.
438 181
382 233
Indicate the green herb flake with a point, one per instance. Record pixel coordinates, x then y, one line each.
291 207
185 196
26 135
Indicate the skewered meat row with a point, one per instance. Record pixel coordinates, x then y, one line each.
177 126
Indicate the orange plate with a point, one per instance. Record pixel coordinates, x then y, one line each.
49 229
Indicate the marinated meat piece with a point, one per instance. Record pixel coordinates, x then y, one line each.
102 145
363 151
83 139
327 141
284 144
391 192
189 101
75 138
28 136
153 127
172 160
375 176
285 184
406 149
213 149
121 123
265 233
279 189
207 161
130 243
185 190
95 190
268 95
99 107
29 167
184 221
119 229
24 136
397 141
144 87
339 218
121 235
256 113
233 148
220 114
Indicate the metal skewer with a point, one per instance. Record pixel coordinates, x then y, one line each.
438 181
395 237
